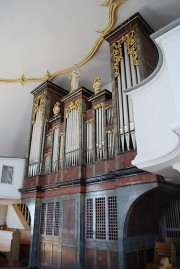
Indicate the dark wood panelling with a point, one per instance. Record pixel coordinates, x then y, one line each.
89 258
69 220
41 252
47 253
55 255
114 259
68 258
101 259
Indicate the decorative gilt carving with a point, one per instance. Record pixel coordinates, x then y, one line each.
117 56
112 6
72 105
107 107
130 39
56 126
46 154
56 109
61 134
110 131
98 105
39 101
132 46
89 121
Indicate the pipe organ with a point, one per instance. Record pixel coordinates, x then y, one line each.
81 147
85 139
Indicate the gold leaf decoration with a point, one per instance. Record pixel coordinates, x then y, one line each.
130 39
38 102
72 105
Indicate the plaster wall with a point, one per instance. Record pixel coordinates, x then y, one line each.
10 191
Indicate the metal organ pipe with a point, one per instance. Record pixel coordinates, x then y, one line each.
78 137
100 135
127 66
121 114
72 137
88 149
67 141
97 133
102 131
35 149
125 106
90 141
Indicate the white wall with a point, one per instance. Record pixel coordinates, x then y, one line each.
12 219
3 213
10 191
157 110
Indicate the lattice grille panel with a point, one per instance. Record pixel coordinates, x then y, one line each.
89 218
101 218
112 212
57 216
43 219
50 215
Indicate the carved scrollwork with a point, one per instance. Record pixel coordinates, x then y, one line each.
130 39
72 105
132 46
39 101
117 56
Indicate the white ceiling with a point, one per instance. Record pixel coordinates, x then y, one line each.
51 35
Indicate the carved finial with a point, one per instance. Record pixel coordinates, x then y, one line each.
56 109
97 85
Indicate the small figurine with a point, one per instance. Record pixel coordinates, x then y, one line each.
56 108
74 78
97 84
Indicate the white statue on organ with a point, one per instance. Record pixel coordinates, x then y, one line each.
74 78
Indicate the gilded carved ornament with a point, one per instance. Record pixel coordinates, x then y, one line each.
61 133
56 126
110 132
46 154
89 121
112 15
39 101
72 105
98 105
130 40
56 109
108 107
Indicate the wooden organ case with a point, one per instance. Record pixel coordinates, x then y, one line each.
81 147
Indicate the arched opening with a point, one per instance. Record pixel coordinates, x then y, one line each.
144 224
